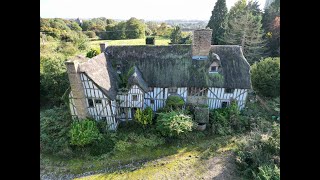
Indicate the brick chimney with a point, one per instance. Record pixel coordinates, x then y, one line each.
201 43
103 47
77 88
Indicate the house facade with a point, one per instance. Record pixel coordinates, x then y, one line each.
114 84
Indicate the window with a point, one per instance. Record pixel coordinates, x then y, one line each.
194 91
172 90
90 102
228 90
103 118
224 104
122 111
98 101
213 69
152 101
134 97
118 68
150 89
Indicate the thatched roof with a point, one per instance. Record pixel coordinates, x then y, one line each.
168 66
101 72
172 66
136 79
236 69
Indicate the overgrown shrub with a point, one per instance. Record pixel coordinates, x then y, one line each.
268 172
84 132
93 52
67 48
174 102
227 120
90 34
173 124
265 77
53 80
55 125
144 117
258 155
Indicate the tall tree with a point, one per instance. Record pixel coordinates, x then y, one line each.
237 8
245 29
271 25
135 29
176 35
217 19
75 26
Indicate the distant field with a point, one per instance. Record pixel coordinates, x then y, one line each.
124 42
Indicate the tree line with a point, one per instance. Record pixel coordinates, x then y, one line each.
104 28
245 24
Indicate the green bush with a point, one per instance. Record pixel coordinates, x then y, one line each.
267 172
174 102
53 80
90 34
265 77
227 120
93 52
67 48
173 124
84 132
144 117
55 125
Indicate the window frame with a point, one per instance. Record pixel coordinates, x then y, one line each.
229 90
227 104
172 90
136 97
92 102
95 101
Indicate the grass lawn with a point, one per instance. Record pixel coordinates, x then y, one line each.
164 161
187 163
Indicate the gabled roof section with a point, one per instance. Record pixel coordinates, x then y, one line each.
100 71
137 79
235 68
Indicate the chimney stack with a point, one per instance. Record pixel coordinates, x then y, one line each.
103 47
201 43
77 88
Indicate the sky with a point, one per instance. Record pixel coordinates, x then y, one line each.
125 9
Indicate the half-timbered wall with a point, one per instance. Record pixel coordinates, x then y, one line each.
73 109
154 98
99 105
134 98
218 95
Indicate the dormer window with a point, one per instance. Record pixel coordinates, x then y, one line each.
214 67
118 68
